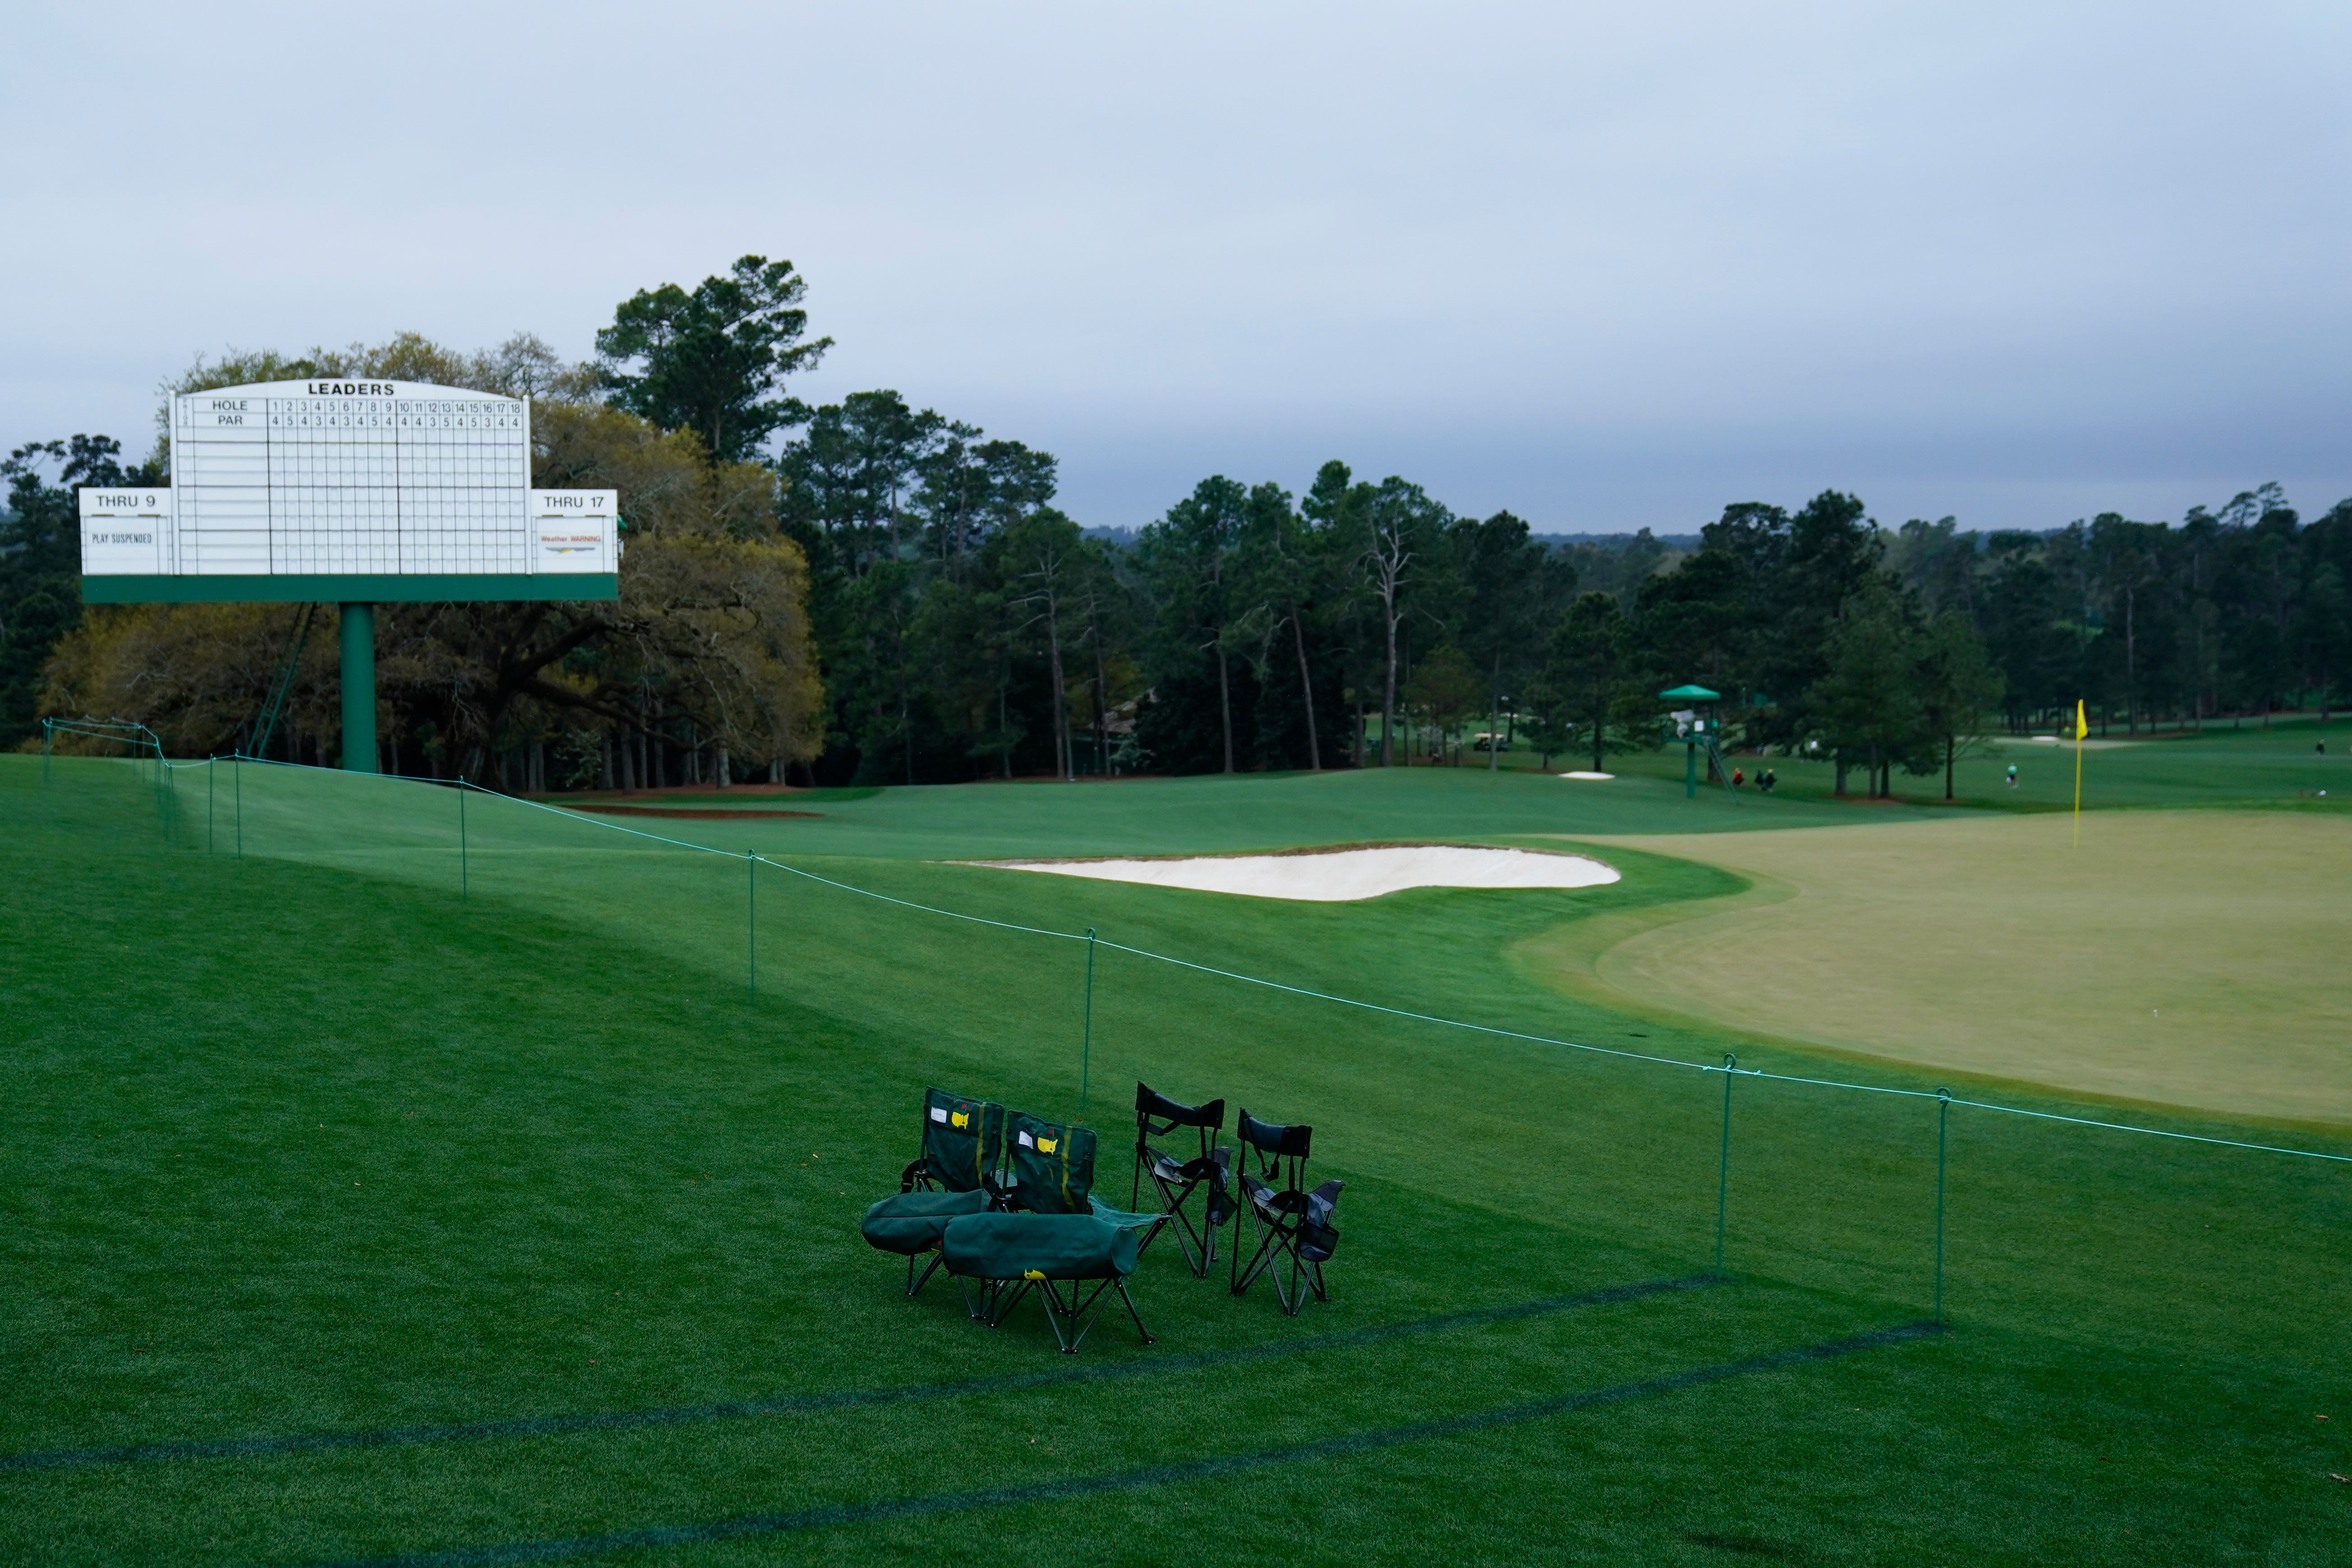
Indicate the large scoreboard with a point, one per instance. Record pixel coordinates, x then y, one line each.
349 491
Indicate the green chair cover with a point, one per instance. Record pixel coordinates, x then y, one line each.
1127 1219
999 1246
909 1223
1013 1253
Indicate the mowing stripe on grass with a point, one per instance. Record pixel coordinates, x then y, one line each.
792 1404
1131 1481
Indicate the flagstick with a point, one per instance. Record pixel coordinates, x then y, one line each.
2078 792
2079 728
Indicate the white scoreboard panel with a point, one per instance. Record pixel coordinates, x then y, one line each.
350 477
343 479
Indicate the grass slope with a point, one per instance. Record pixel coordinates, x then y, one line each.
310 1144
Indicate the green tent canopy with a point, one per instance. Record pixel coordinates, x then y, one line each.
1693 694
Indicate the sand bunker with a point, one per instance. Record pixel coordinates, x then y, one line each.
1339 876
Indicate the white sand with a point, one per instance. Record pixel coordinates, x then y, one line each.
1338 875
2067 741
1587 774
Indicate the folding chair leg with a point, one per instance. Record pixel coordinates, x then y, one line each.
1150 1232
1120 1286
985 1312
1077 1313
913 1284
1268 1249
1199 1243
1003 1296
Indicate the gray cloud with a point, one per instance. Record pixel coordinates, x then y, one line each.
1608 267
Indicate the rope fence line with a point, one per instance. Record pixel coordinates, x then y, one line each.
1728 1065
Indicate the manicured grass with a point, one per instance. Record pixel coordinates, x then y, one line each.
305 1142
2226 764
2221 765
1246 811
2187 958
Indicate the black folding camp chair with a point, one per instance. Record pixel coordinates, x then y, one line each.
1157 1116
963 1145
1292 1224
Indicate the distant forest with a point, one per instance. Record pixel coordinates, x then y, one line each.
870 592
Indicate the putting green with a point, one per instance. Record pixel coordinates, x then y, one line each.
2190 958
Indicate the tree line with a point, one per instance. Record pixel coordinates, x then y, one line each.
890 594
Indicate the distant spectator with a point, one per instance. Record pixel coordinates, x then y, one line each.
1739 777
2012 775
1767 781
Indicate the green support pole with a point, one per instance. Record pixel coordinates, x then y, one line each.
464 878
236 774
212 790
1723 1170
359 689
751 922
1087 1044
1690 771
49 738
1943 1117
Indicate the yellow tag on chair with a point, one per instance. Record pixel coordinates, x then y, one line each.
1048 1145
1032 1274
961 1118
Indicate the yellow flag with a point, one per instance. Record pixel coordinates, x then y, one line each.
2082 725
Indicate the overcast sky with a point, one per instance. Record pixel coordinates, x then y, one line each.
1609 266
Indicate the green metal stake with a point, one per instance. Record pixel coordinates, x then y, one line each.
1087 1046
465 879
49 738
1723 1171
751 920
237 775
212 788
1690 771
1943 1116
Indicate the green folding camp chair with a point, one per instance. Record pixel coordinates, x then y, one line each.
963 1145
1292 1224
912 1224
1057 1255
1157 1116
1052 1164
